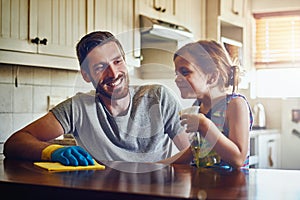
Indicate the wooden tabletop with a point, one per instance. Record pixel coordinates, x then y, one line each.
122 180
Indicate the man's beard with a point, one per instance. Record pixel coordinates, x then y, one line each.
119 93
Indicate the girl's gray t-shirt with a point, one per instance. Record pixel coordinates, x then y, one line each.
143 134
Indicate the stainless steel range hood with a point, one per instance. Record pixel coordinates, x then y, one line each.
159 42
163 30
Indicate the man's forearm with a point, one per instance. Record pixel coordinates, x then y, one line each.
22 145
183 157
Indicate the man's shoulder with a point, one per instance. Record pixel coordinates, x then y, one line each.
149 88
153 89
88 94
84 97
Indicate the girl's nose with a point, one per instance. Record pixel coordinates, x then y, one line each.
178 77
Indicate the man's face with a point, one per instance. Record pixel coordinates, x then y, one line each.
108 72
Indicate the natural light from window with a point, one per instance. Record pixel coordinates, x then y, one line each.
276 83
277 55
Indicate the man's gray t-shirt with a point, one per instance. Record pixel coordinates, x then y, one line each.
143 134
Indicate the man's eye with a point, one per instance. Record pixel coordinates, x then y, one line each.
119 61
99 68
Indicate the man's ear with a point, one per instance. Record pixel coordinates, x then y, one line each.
85 75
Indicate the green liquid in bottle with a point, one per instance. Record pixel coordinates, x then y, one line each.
203 153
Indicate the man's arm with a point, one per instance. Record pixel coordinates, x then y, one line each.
181 140
29 142
183 157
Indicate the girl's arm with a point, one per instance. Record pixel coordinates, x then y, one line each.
233 149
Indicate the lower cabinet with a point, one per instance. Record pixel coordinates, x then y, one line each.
269 150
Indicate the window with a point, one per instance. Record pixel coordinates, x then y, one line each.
277 55
277 39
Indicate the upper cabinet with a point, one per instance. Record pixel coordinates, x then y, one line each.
44 33
225 17
41 33
228 20
57 26
233 11
116 17
158 9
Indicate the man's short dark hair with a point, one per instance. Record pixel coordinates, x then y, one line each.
90 41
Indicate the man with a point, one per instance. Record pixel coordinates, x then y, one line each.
114 122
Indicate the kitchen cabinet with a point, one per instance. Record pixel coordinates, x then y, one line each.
42 33
268 150
233 11
226 19
265 147
230 19
158 9
117 17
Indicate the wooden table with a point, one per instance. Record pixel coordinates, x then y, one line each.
23 179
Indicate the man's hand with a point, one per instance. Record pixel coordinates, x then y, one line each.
72 155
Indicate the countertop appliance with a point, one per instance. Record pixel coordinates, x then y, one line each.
259 117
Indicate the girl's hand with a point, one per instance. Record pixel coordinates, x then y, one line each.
194 122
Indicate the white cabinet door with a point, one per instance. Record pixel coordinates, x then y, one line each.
268 150
158 9
59 23
225 15
117 17
14 26
41 33
233 11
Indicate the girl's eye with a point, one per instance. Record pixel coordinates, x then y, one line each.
184 72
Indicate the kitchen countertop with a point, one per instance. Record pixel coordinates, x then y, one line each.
23 179
257 132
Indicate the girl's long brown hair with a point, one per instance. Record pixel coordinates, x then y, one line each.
210 56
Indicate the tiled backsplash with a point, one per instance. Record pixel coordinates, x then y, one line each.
27 100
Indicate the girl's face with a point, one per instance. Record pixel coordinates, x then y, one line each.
190 79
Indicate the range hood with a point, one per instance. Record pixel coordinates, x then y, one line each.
159 42
163 30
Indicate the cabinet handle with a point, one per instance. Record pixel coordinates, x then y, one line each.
271 163
35 40
296 132
38 41
44 41
233 10
158 8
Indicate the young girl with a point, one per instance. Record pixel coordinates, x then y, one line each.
204 72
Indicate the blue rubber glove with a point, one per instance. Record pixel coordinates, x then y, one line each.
72 155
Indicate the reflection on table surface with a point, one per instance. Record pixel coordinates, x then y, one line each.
157 181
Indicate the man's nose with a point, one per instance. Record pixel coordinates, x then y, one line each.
112 70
